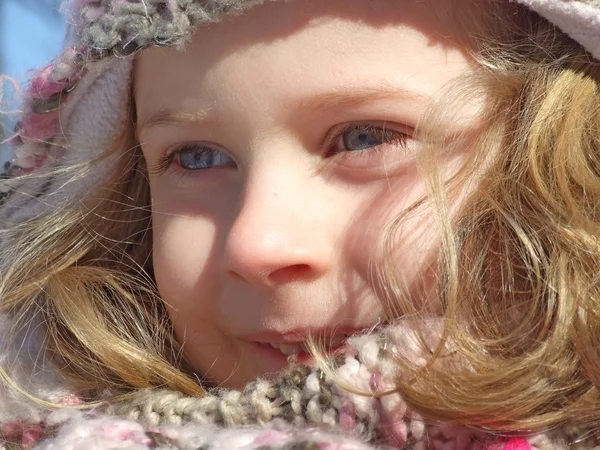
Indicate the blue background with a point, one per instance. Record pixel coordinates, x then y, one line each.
31 34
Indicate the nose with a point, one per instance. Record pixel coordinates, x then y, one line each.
279 235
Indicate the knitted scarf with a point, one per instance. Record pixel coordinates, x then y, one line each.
350 405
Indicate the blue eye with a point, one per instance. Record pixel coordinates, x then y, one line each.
197 157
361 137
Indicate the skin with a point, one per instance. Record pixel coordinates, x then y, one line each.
280 240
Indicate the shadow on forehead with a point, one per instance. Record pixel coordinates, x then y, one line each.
449 23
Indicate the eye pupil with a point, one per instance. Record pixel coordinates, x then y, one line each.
361 139
199 158
194 159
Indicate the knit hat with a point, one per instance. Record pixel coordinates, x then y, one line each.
76 106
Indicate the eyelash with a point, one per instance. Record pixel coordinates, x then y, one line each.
165 162
389 136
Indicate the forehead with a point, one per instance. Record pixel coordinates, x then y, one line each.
295 48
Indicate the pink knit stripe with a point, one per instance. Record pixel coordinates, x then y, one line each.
517 444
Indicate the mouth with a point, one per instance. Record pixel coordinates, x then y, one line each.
273 350
302 348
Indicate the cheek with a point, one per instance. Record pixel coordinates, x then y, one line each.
402 244
187 229
183 258
387 235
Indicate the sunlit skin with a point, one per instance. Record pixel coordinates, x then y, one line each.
271 233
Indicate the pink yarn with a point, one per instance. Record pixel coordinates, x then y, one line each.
70 400
39 127
516 443
397 433
92 15
347 414
27 436
123 431
270 436
44 85
12 429
31 436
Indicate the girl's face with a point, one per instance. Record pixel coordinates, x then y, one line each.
279 145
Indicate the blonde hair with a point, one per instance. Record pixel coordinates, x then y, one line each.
84 267
518 264
517 275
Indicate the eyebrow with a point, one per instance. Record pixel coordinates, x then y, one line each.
342 99
167 117
329 101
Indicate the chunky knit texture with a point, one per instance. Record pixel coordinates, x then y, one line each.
74 108
123 27
356 398
354 407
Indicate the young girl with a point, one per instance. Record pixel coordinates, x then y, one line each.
300 224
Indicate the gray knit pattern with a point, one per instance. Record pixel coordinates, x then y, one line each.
126 27
301 397
301 409
306 398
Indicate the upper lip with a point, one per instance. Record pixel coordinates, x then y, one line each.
301 335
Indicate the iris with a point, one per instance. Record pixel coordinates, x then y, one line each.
199 158
362 139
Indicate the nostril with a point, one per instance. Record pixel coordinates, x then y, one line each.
290 273
284 274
